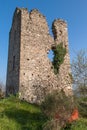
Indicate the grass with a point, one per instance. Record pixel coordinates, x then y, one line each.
20 115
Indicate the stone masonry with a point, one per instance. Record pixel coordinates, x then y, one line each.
30 72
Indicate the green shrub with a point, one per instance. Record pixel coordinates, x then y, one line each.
82 106
58 107
80 124
59 54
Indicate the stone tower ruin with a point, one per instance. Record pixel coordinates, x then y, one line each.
30 72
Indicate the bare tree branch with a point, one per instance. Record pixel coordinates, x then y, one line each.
79 72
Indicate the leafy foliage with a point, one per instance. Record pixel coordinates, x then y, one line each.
82 106
59 53
80 124
58 107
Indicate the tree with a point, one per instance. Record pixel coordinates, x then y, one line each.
79 73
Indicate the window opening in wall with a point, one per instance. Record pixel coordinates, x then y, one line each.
48 76
13 62
14 40
13 46
14 35
60 32
51 55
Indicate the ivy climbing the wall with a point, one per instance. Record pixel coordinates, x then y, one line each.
59 54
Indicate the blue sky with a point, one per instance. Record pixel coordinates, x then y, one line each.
73 11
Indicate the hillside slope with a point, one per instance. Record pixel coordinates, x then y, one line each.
19 115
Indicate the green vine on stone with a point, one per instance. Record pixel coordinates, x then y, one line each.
59 54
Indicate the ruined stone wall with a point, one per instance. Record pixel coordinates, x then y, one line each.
36 76
60 32
12 83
